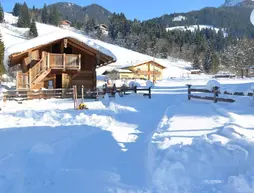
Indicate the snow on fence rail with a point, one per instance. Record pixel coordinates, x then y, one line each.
215 96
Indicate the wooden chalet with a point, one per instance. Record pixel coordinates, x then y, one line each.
60 63
148 70
65 23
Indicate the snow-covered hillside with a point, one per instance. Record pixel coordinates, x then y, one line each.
192 28
13 35
179 18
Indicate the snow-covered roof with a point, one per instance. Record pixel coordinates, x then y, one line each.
119 70
123 70
53 36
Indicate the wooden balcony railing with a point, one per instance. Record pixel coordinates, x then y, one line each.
64 61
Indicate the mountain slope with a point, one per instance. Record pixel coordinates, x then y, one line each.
235 19
74 12
239 3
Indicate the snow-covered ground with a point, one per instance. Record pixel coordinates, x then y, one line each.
130 144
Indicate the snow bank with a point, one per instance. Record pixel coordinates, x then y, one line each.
149 84
133 84
211 84
199 148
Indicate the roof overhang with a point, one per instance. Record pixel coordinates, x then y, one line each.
21 50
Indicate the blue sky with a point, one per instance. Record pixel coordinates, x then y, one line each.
140 9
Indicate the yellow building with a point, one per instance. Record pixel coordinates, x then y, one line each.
149 70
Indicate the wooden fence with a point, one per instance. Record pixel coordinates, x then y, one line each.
215 93
126 90
20 95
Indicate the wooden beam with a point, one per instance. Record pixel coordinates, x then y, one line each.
64 61
81 48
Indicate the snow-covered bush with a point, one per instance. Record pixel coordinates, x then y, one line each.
149 84
211 84
133 83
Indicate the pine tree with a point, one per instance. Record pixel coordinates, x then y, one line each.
45 14
208 61
54 16
24 17
2 68
90 25
16 9
33 30
215 63
1 14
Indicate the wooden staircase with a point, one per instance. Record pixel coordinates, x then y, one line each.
48 62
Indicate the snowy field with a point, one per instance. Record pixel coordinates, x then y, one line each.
166 144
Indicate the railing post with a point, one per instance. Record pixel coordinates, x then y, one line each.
189 91
48 60
17 80
79 61
30 78
64 61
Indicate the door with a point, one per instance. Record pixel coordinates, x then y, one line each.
59 81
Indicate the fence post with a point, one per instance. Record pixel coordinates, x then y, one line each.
74 95
114 90
135 89
189 91
106 89
150 95
215 90
82 93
